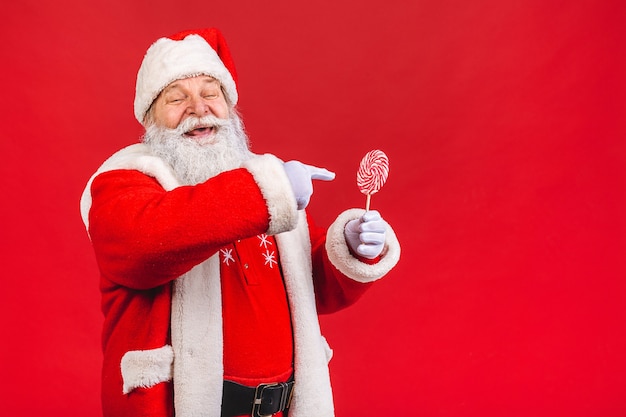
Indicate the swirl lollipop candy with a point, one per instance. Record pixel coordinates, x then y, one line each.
372 174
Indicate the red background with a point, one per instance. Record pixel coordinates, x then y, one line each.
504 124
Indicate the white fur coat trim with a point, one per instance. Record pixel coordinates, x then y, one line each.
197 339
312 394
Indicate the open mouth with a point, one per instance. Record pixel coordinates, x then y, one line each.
200 131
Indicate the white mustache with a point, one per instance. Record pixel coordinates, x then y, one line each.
192 123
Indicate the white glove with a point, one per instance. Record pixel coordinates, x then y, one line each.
300 176
366 236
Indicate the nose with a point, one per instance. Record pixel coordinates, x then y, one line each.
198 107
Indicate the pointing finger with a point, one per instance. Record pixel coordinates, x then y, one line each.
320 173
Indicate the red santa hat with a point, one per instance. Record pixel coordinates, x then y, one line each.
186 54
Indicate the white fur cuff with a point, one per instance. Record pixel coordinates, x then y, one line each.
270 176
340 256
146 368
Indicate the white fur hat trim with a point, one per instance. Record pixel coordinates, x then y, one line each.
168 60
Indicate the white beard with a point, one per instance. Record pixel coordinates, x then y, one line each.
194 161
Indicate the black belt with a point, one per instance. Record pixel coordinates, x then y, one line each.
259 401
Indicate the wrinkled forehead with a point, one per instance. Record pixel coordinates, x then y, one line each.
200 81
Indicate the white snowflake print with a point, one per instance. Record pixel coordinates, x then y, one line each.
227 256
264 240
269 258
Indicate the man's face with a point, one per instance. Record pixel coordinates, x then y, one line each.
190 97
192 128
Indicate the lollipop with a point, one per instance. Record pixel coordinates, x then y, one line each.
372 173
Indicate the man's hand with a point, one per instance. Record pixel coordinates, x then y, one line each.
301 177
366 236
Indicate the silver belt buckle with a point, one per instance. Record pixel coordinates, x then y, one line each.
285 399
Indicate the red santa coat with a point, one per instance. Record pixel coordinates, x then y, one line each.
161 287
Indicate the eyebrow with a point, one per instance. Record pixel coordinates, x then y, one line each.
210 79
173 86
207 80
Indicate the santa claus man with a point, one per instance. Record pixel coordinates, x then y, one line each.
212 274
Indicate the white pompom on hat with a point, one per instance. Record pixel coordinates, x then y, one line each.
185 54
